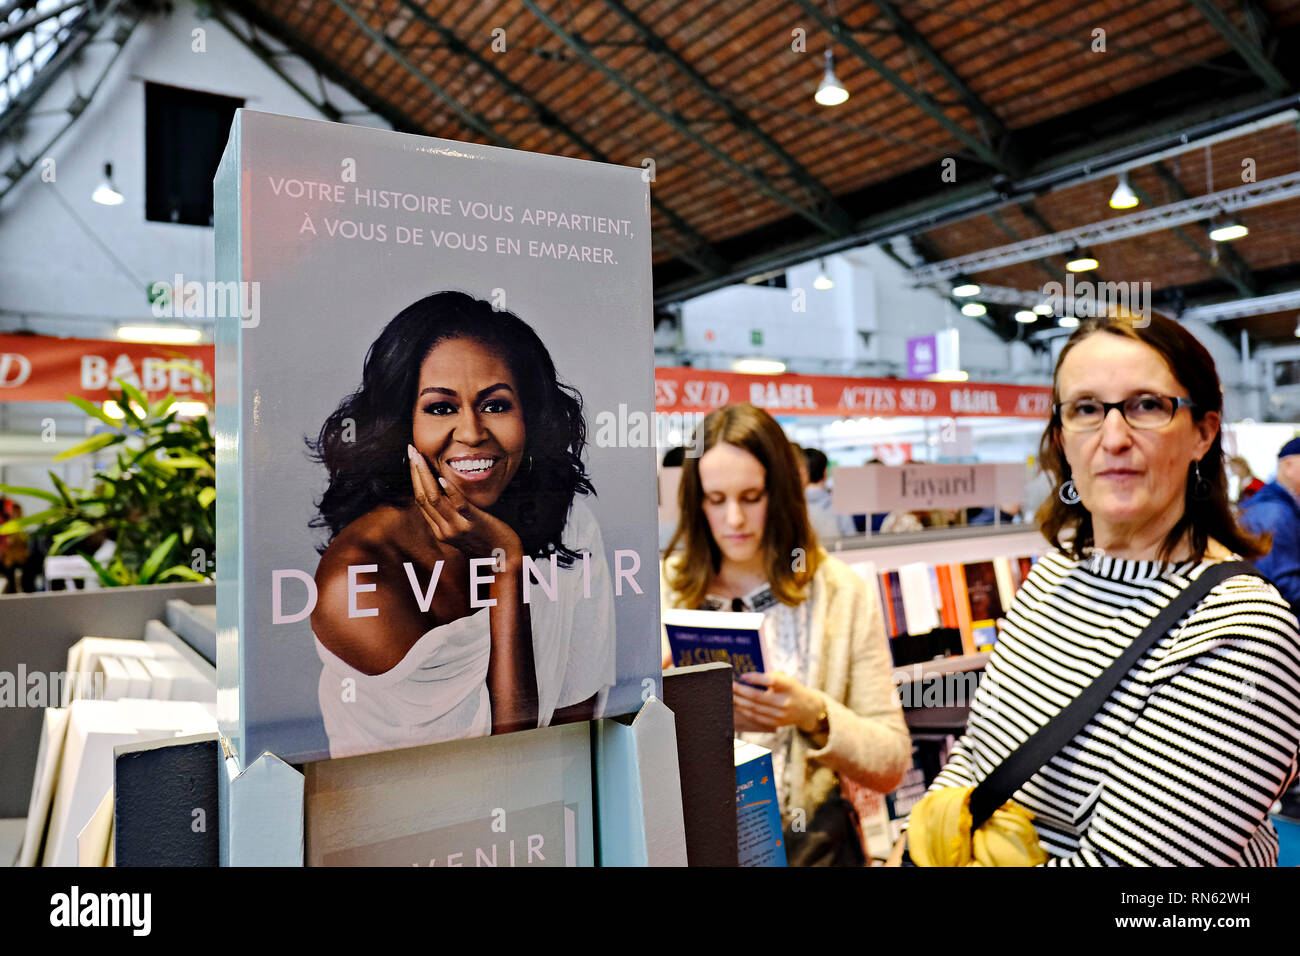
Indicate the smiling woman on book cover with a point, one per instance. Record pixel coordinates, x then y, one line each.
463 589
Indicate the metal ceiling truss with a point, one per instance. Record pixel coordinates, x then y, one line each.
583 49
844 35
826 203
1245 46
696 249
995 131
85 32
1227 264
245 30
1141 223
1244 308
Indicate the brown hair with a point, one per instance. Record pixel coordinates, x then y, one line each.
1204 518
787 527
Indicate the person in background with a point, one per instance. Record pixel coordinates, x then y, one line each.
826 706
1275 510
1247 483
825 522
801 459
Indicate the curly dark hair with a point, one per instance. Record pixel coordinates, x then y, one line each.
363 442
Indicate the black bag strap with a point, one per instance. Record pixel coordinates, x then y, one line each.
1006 778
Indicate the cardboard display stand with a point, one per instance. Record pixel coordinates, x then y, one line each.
435 392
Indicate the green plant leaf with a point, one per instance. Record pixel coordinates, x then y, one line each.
155 560
184 572
159 409
94 411
14 525
105 578
74 532
91 444
206 497
64 491
32 492
135 395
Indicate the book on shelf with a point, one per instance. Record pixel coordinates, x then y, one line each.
939 610
759 836
704 637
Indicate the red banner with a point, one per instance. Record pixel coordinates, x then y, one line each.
39 368
684 390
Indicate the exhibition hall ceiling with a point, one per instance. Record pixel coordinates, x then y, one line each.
969 124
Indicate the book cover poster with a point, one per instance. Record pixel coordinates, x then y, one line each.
436 472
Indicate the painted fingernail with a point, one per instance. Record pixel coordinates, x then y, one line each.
442 481
411 452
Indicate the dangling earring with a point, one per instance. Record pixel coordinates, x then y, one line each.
1201 487
1068 493
530 465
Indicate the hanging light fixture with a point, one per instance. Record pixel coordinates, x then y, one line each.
1123 197
973 309
1067 322
106 193
1043 308
965 290
1081 261
1024 315
823 281
1227 228
830 92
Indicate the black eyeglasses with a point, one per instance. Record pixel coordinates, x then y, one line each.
1140 411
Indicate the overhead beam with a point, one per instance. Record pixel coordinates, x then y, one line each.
694 248
467 116
1140 223
1246 48
995 130
1229 264
584 51
294 43
837 28
820 195
1243 308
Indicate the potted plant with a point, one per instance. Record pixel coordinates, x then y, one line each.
156 501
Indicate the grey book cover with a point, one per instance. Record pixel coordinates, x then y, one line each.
490 310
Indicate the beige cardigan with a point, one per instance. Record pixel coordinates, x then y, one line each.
852 670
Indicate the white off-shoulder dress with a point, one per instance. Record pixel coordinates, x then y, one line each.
438 691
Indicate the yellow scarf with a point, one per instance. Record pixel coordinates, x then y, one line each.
939 833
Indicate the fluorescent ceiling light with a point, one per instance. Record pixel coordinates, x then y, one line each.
1228 230
1043 308
973 309
106 193
1067 322
1024 315
966 290
955 376
1123 197
165 334
831 91
758 366
1082 263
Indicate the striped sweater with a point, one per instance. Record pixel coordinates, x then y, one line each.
1192 748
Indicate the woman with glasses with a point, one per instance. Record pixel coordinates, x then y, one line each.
1183 761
